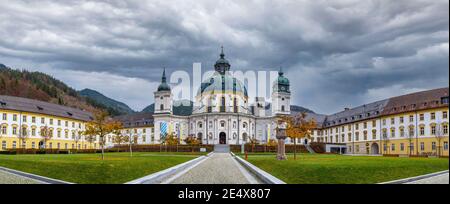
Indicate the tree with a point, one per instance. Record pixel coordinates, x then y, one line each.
298 127
253 142
131 141
23 136
77 139
272 143
171 139
410 139
439 135
385 141
119 138
191 140
101 126
46 134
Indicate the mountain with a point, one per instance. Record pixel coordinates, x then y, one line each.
43 87
181 107
116 107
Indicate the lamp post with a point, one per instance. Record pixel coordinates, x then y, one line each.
281 136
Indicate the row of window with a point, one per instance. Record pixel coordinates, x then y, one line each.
411 146
403 147
33 132
221 123
42 120
14 145
435 130
384 122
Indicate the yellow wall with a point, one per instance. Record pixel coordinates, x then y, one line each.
9 139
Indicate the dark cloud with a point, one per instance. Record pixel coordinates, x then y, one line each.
337 53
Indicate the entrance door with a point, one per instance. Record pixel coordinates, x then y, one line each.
222 138
375 148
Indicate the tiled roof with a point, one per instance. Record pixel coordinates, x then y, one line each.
136 120
399 104
41 107
364 112
417 101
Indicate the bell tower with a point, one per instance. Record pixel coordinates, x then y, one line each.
281 95
163 97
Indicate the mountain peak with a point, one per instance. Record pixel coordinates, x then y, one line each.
116 107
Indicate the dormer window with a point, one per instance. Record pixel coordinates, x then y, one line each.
69 113
444 100
39 108
2 103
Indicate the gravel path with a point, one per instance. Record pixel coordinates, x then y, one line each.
439 179
219 168
8 178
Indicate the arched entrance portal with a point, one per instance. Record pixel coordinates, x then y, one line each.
222 138
375 149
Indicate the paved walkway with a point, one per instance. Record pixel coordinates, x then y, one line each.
439 179
9 178
219 168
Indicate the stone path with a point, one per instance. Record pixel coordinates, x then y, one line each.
219 168
439 179
9 178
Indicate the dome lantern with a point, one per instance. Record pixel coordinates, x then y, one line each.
222 65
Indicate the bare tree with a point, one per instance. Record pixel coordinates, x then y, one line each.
439 135
119 138
23 136
77 139
385 142
46 134
410 139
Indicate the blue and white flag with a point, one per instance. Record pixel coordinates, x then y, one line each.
163 130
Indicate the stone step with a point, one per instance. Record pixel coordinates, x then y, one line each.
222 148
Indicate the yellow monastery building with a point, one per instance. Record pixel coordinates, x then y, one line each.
33 124
412 124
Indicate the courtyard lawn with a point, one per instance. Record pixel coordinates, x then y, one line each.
90 169
338 169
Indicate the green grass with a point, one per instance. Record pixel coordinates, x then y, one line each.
338 169
89 168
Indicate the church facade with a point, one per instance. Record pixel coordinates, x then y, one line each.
221 111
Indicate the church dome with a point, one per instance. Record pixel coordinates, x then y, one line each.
282 83
220 83
282 80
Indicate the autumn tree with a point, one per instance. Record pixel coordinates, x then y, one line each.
298 126
101 126
191 140
119 138
171 139
272 143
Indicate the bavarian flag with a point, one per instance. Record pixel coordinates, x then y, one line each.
163 130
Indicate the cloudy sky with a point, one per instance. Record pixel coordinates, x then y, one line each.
336 53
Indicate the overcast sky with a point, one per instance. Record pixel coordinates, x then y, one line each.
336 53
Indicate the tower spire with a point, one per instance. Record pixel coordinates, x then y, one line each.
163 79
222 55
